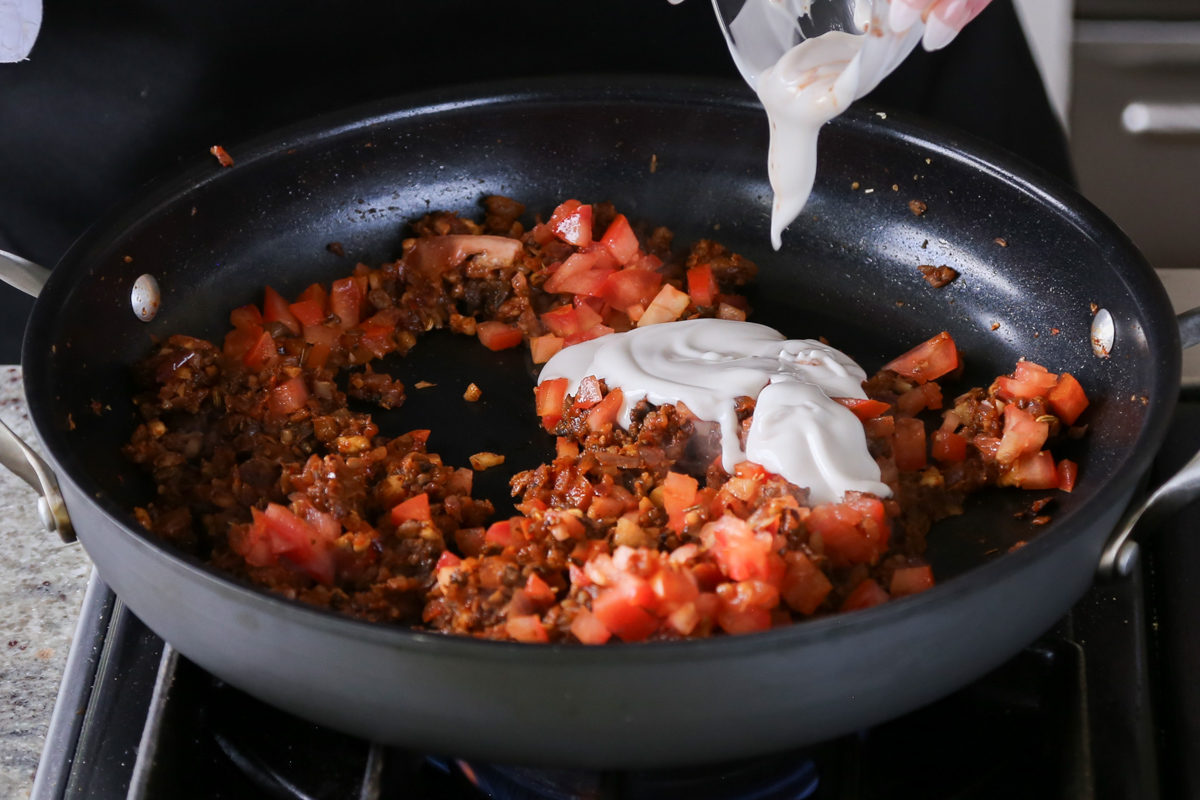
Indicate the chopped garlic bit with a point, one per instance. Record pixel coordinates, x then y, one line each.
482 461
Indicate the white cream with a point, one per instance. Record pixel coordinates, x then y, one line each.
813 82
797 431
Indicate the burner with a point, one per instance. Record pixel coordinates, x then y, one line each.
788 776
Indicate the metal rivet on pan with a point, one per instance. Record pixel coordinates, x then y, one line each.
1103 331
145 298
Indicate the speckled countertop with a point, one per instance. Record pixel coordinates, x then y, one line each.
42 582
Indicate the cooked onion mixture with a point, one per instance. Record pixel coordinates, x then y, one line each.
263 470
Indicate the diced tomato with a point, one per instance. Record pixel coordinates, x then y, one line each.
606 412
304 545
879 427
1023 435
538 590
630 287
318 356
572 222
246 317
565 448
866 594
804 587
949 447
739 622
911 580
1067 399
908 444
589 630
604 258
594 332
527 628
261 353
323 339
928 395
288 397
315 294
641 260
1033 471
580 275
845 543
308 312
702 285
748 469
239 340
620 240
382 323
589 393
685 618
275 309
673 588
1028 380
739 550
253 542
550 397
346 301
869 506
499 336
414 508
562 321
927 361
321 334
616 611
1068 471
446 559
543 348
746 606
1034 374
864 409
587 316
666 306
679 494
499 533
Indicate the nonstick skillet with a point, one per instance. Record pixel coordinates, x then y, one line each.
691 156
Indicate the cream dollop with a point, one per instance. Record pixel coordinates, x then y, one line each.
797 431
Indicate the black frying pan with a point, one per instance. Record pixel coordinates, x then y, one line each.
848 271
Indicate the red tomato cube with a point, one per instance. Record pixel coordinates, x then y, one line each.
929 360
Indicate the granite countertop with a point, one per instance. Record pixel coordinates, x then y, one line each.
42 583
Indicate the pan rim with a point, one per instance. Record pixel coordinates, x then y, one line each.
1046 189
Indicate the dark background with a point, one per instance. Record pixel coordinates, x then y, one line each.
117 92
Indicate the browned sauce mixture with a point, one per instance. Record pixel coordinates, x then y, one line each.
263 470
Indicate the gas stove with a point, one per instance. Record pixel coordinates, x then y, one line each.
1069 716
1104 705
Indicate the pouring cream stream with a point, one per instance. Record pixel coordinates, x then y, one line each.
813 82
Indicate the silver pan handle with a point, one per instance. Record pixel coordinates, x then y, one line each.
14 453
1122 551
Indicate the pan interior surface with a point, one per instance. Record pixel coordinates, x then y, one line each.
690 159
